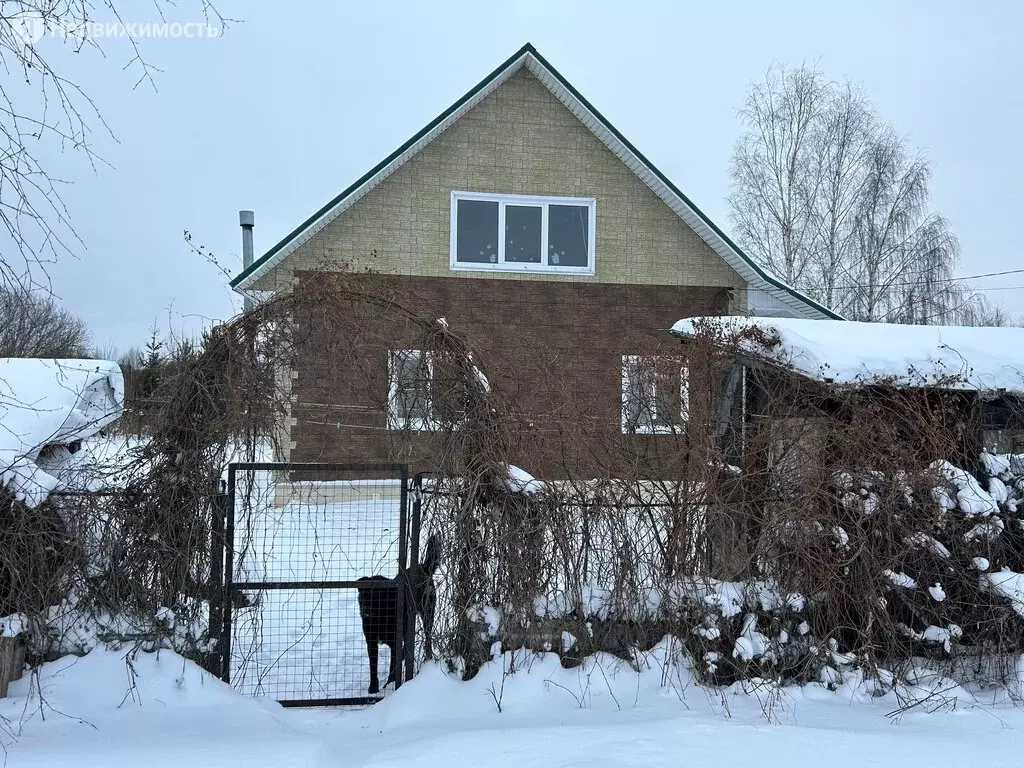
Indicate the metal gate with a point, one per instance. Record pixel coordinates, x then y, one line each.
292 542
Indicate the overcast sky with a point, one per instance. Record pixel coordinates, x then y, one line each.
296 101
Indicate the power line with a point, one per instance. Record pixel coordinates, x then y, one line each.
946 311
1001 288
934 281
989 274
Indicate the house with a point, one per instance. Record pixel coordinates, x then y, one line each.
527 222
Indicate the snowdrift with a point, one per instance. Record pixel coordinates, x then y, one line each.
153 709
523 685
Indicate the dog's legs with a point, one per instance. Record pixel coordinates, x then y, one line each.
429 603
371 652
395 665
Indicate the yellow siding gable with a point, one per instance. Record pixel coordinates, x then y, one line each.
518 140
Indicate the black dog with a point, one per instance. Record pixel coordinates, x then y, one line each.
378 609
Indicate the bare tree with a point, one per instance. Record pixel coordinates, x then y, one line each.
831 199
775 171
980 311
839 168
32 324
42 110
898 245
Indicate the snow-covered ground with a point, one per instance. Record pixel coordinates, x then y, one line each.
170 713
93 713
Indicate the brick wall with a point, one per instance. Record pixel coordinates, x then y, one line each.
553 348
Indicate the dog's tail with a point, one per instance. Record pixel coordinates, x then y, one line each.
432 555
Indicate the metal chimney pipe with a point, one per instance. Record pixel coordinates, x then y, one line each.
247 220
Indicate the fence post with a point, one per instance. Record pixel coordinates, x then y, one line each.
224 646
414 557
218 513
406 605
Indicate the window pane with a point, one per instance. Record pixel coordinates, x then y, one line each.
636 394
654 394
476 237
567 235
522 234
410 371
666 400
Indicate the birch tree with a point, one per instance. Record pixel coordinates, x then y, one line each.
774 170
832 200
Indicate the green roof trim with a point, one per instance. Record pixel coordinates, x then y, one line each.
529 49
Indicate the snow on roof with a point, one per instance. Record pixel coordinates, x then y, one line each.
857 353
50 402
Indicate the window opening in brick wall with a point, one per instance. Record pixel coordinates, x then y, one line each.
655 395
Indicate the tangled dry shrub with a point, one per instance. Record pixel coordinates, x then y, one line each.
801 532
863 530
123 555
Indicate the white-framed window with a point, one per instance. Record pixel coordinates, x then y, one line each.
528 233
655 395
411 390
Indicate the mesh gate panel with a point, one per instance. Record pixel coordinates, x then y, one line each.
301 540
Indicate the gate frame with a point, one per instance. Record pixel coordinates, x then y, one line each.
222 560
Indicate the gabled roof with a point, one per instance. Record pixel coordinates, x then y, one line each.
537 65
